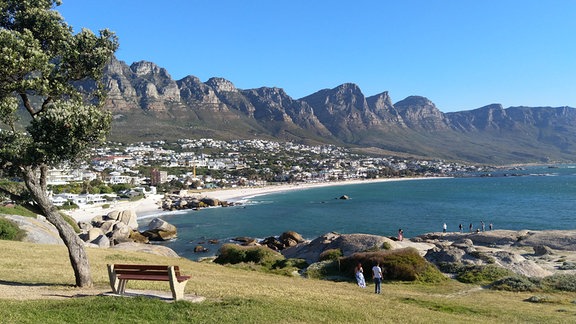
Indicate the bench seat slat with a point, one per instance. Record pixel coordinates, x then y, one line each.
150 277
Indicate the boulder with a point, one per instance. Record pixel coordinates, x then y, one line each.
85 226
200 249
347 243
211 201
101 241
93 234
113 215
542 250
160 224
121 232
147 248
129 218
291 238
136 237
107 226
160 230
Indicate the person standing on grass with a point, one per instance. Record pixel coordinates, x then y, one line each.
377 276
359 273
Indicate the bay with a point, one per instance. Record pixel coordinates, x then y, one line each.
535 198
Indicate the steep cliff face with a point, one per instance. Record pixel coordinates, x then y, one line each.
421 114
342 115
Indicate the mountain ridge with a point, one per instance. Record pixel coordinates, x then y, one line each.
148 104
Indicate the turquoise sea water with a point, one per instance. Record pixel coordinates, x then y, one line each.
536 198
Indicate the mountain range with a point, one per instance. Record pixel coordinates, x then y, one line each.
147 104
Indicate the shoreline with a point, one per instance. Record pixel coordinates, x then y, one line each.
151 204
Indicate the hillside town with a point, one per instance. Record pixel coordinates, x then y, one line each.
129 170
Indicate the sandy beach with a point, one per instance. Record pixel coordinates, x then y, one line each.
152 203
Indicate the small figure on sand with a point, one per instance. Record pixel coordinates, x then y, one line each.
400 235
460 227
483 226
490 226
444 227
471 227
359 273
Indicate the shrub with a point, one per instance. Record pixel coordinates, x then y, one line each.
323 269
563 282
10 230
233 254
483 274
400 264
514 283
16 210
330 254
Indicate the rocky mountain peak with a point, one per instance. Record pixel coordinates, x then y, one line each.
221 85
144 68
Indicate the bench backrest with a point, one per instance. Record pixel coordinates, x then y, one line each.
158 270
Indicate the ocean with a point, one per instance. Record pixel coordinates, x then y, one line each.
533 198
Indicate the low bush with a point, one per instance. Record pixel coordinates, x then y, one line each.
400 264
16 210
563 282
330 255
10 230
323 270
514 283
482 274
233 254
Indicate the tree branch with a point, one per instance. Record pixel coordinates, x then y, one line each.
27 104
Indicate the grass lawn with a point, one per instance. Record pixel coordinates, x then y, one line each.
242 296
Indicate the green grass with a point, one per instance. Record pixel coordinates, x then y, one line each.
16 210
239 296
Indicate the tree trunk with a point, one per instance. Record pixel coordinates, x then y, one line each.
76 250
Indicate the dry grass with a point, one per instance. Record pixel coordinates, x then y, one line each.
247 295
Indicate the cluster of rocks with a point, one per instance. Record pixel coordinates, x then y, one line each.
178 202
529 253
119 227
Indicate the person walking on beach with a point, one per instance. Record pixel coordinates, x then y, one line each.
490 226
483 226
400 235
377 276
460 227
444 227
471 227
359 273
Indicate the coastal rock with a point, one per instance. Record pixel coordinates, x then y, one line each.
101 241
347 243
128 217
94 233
38 230
160 230
147 248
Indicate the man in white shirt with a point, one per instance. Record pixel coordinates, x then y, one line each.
377 276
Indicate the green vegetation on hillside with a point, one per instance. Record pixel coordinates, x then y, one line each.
239 296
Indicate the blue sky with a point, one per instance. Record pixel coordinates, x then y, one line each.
460 54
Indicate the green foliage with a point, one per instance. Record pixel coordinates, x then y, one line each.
400 264
482 274
10 230
324 269
72 222
234 254
514 283
16 210
330 255
562 282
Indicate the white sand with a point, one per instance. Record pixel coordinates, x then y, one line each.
152 203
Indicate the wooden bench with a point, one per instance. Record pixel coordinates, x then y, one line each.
120 274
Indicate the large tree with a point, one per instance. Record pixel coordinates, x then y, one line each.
50 103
